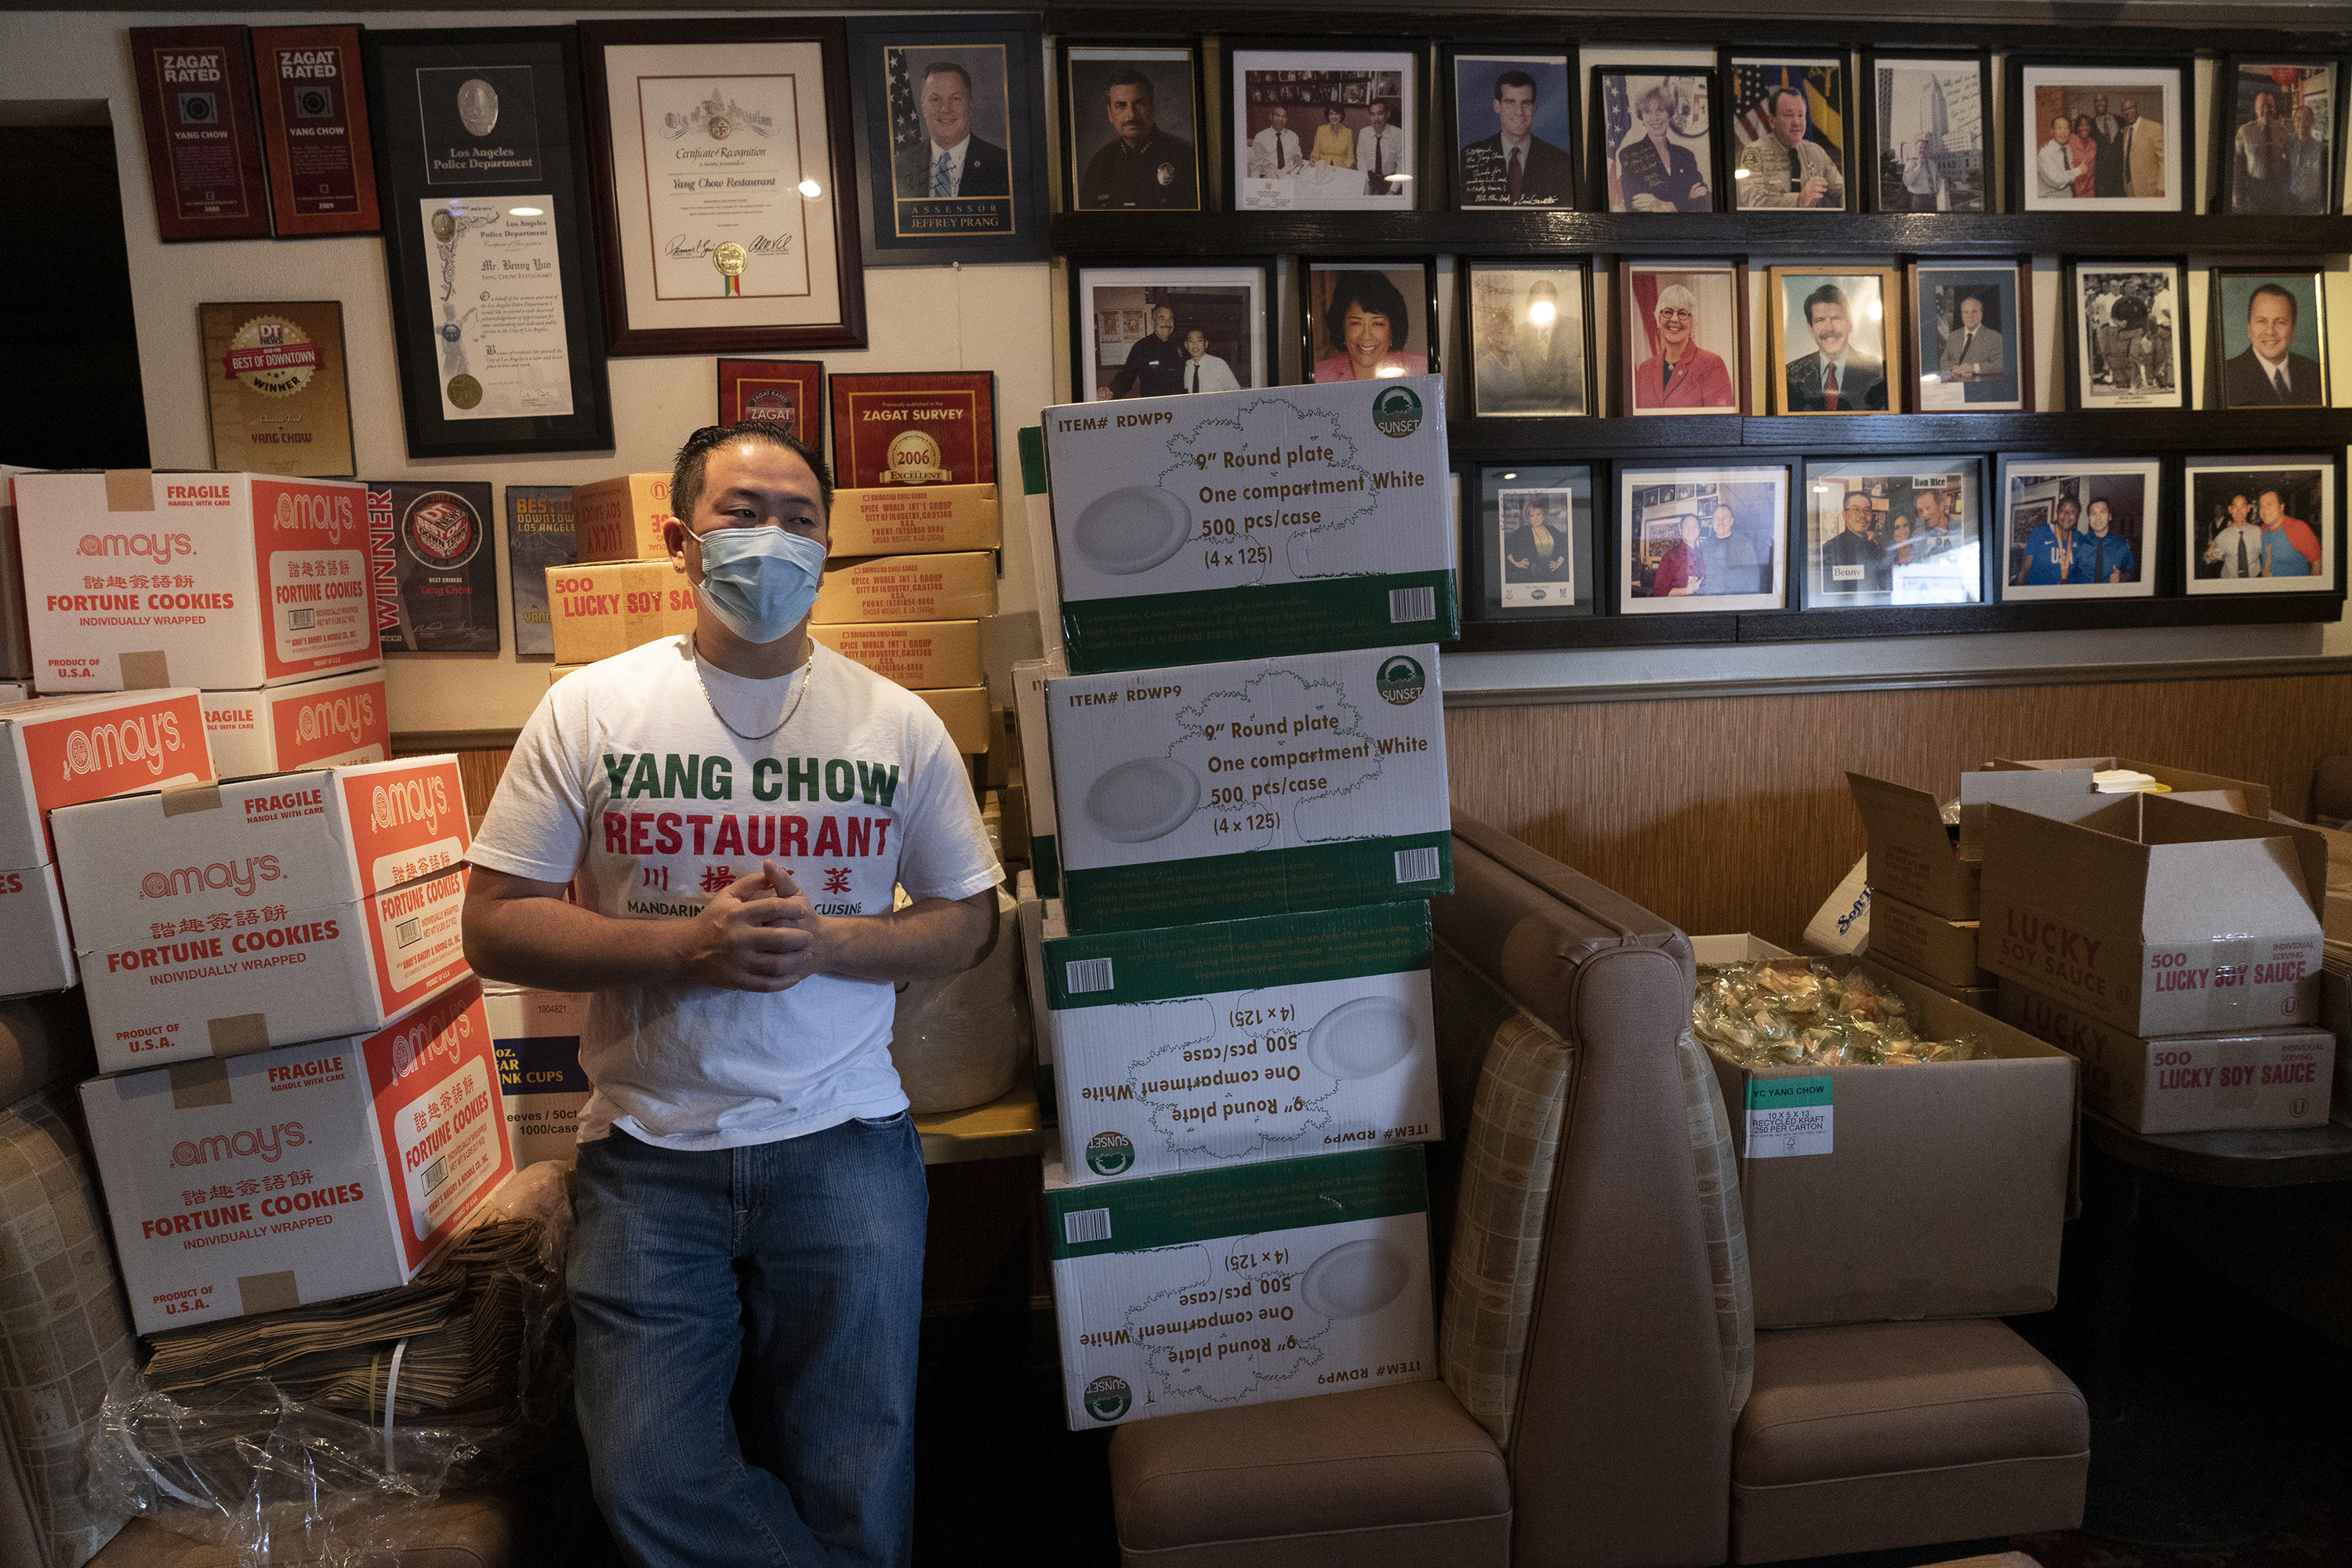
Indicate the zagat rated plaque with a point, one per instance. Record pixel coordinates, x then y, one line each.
315 129
932 429
204 138
279 399
786 392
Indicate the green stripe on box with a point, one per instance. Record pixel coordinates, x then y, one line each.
1033 460
1046 863
1247 1200
1327 615
1784 1093
1259 882
1241 956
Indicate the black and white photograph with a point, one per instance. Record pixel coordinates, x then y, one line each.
2279 150
1533 541
1927 119
2099 137
1972 336
2078 527
1702 538
1325 129
1514 123
2259 524
1896 532
1132 128
1527 341
1684 349
2270 338
1157 331
1835 343
1657 136
1788 142
2126 321
1366 321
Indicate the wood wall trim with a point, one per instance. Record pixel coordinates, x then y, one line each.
1924 681
426 743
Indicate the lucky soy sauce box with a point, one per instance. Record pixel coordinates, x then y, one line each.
596 612
537 1037
225 582
302 1175
1216 791
1218 1289
220 920
1205 1047
623 519
309 724
1231 524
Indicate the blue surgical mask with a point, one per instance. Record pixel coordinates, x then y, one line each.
759 581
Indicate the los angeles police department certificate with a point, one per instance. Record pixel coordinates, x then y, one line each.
498 301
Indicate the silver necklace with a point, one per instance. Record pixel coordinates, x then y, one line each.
808 672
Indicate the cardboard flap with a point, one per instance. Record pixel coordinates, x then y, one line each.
2062 795
2110 862
2212 790
1894 808
129 489
2302 851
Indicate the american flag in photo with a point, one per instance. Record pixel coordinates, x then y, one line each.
1751 86
1617 118
906 117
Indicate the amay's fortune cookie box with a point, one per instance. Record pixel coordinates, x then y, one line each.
1216 1288
1215 791
298 1175
217 920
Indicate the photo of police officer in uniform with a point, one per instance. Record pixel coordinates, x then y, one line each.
1132 130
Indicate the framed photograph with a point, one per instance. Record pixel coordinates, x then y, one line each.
2078 527
1131 127
2099 135
490 243
1684 350
1514 127
1316 127
1156 331
314 131
1973 334
1364 320
1702 537
2126 349
951 143
1532 544
1788 142
722 164
1653 138
2281 137
280 390
1893 532
1836 340
1926 120
1529 344
2270 338
788 392
2259 524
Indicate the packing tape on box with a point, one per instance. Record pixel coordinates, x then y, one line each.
198 1084
268 1292
129 489
2225 992
182 799
240 1033
146 671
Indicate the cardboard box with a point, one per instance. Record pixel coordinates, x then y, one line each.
14 691
2335 1017
1217 791
218 919
225 582
310 724
596 612
1207 1046
907 520
298 1175
556 672
1029 704
16 638
964 710
1879 1194
1739 947
1240 1287
33 933
1944 951
621 518
1037 517
536 1036
1250 524
1843 923
2194 788
1034 913
1983 999
907 588
2156 917
1916 858
918 655
2185 1083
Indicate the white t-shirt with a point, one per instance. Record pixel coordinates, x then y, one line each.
624 780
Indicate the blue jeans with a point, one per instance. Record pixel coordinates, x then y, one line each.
748 1325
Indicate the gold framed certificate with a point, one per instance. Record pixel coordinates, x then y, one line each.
279 399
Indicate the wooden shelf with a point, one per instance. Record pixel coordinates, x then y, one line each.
2153 432
1003 1129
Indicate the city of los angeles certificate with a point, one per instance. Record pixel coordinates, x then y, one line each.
499 293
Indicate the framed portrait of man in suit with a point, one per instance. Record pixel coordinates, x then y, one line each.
1514 122
2100 135
1528 343
1972 338
2270 339
1836 340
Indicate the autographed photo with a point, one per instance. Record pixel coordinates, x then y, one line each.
1965 332
2260 525
2128 350
1701 539
2075 529
1657 140
1325 129
1929 116
1157 331
1513 116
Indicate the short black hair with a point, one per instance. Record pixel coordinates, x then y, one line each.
1378 296
1128 76
2294 311
1515 78
685 473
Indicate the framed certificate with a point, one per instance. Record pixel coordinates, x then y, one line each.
721 171
480 169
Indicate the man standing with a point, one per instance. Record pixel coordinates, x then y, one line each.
2050 548
2237 546
1380 153
1155 366
2306 168
1142 166
1514 167
2141 148
2106 137
1727 563
1851 564
2054 168
1786 169
1834 379
1202 371
1679 575
1933 536
1972 350
1273 151
2103 334
746 1275
2269 372
2289 547
2102 555
2259 177
949 161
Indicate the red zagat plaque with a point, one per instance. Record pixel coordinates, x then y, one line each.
315 130
934 430
204 139
787 392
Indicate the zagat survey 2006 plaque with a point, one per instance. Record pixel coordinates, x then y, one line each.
279 399
203 140
315 129
932 429
435 565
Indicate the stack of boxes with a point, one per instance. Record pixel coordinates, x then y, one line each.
1236 990
15 645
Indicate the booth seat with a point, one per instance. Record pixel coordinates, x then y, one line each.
1605 1400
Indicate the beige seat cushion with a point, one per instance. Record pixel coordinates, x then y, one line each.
466 1530
1371 1477
1891 1435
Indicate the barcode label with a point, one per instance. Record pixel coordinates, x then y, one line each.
302 620
1085 975
1081 1225
1417 865
436 1171
408 934
1412 603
